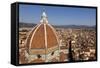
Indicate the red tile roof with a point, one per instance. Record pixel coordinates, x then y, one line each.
38 38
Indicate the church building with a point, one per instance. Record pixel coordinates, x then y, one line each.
42 44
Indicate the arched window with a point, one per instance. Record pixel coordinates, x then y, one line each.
52 53
39 56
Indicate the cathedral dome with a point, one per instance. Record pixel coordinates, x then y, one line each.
42 39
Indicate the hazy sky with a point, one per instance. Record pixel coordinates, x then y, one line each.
58 15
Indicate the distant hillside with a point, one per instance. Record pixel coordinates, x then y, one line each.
75 26
58 26
26 24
